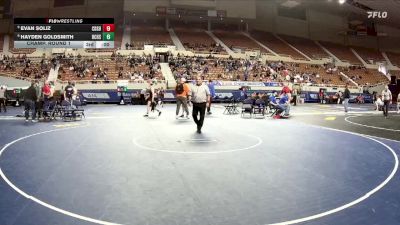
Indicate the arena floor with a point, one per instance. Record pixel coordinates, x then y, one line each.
117 167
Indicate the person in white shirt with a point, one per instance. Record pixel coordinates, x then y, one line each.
201 100
378 103
387 100
398 103
3 90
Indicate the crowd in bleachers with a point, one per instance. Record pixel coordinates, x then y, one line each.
23 67
144 67
1 42
142 35
219 68
253 70
116 67
363 76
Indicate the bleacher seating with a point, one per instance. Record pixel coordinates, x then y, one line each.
395 73
219 70
236 40
394 58
306 46
324 77
20 50
342 52
1 42
141 36
23 72
369 54
198 41
111 67
275 44
364 76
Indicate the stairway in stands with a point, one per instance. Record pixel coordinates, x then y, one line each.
6 44
217 40
126 36
176 41
53 74
167 73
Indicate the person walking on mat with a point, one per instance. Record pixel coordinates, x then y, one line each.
30 99
149 97
200 100
182 91
211 87
346 97
3 100
387 99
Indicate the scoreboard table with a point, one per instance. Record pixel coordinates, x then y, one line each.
64 33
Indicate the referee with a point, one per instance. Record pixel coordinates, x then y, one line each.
200 100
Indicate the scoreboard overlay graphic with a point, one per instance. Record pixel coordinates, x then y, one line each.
64 32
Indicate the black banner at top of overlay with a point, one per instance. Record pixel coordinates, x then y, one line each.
63 20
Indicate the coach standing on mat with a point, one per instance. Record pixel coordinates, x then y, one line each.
200 100
346 97
30 98
182 91
387 99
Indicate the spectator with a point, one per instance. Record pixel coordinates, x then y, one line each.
200 100
387 100
398 103
211 87
283 106
183 94
69 91
346 97
3 99
379 103
294 98
30 99
339 96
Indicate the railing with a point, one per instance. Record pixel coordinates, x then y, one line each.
330 85
374 85
109 82
20 77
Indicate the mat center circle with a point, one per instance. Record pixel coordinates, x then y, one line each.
210 142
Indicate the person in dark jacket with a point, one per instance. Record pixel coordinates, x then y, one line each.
346 97
30 99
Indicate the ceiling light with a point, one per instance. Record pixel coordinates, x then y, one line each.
342 1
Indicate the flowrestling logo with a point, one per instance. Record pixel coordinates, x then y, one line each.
89 95
377 14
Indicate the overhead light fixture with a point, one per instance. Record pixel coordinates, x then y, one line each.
290 4
342 2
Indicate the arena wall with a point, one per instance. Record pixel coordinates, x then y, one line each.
294 27
238 9
147 6
326 27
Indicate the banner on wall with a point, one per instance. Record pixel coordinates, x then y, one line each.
112 96
248 83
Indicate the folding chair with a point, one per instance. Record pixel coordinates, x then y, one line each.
71 110
259 108
78 111
247 107
273 108
49 110
231 108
